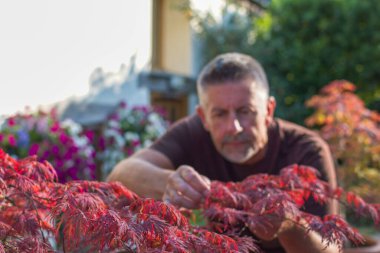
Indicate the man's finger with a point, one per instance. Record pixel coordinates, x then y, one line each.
177 199
194 179
179 185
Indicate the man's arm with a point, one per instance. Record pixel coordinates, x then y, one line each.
295 239
150 173
146 173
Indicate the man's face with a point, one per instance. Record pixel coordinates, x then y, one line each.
237 115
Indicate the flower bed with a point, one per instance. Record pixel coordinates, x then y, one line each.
128 130
61 143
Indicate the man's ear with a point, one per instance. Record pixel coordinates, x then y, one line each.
271 106
202 116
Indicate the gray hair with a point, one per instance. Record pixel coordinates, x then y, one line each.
232 67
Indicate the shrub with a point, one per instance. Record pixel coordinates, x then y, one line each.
61 143
353 134
257 200
90 216
304 44
128 130
231 32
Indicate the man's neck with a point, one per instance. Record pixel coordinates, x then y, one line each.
258 157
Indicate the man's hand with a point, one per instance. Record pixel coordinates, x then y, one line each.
295 238
272 227
186 188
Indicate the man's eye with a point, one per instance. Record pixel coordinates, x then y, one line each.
219 114
244 111
247 112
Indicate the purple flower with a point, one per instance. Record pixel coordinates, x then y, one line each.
55 150
33 150
23 138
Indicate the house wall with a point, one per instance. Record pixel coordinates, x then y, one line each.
172 38
172 52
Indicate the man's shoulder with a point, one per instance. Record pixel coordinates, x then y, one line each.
192 119
185 142
291 128
191 122
189 127
295 134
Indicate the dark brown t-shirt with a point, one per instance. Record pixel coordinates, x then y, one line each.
187 142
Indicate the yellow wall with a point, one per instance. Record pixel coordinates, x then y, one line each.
171 38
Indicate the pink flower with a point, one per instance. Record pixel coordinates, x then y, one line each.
11 121
55 127
64 138
90 135
12 140
136 143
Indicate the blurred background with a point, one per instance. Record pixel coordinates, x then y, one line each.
50 49
57 53
52 53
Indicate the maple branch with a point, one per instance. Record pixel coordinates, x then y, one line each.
39 219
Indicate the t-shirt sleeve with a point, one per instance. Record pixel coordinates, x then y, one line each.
316 153
174 142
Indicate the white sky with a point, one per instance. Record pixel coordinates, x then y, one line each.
49 48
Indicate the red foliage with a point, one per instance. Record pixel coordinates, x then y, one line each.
257 200
88 216
353 134
341 113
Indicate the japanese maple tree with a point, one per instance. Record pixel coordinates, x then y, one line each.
38 214
353 134
254 202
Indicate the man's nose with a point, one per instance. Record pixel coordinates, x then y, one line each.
234 125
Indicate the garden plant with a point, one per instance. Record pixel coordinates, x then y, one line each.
353 134
127 130
62 143
305 44
41 215
301 44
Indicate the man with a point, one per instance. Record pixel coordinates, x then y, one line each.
233 135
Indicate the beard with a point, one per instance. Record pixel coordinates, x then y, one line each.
239 148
